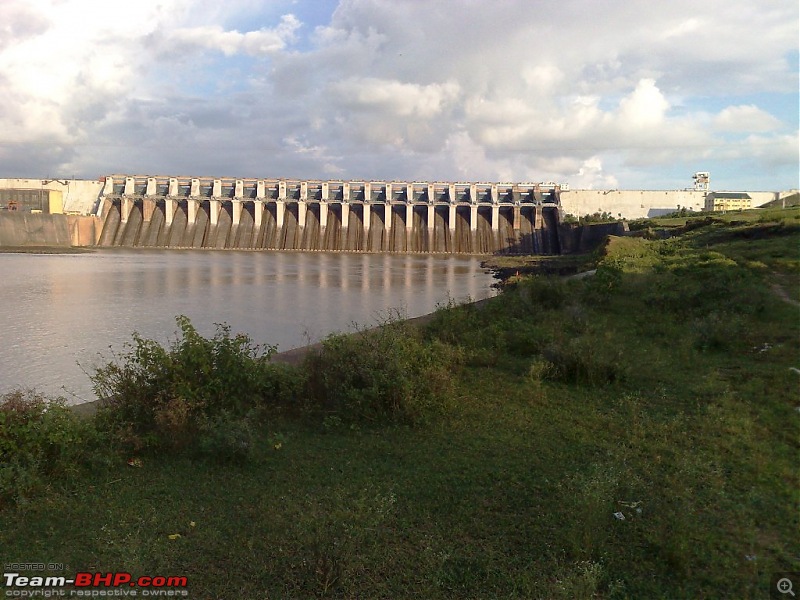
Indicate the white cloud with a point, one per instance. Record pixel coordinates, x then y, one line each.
542 76
640 120
683 29
396 98
264 41
644 107
590 176
745 118
19 22
463 90
59 75
769 150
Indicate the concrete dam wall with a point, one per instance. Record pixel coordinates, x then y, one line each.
25 229
330 216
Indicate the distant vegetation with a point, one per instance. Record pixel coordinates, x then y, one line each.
598 217
627 435
788 201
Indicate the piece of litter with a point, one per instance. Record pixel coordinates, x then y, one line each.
750 557
619 516
135 462
174 536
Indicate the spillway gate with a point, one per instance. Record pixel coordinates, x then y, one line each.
357 216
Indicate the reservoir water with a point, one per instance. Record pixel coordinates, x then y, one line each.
65 313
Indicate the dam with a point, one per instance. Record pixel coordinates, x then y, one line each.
354 216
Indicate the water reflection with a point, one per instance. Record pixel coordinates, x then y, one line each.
65 309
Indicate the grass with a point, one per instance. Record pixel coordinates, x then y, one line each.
659 389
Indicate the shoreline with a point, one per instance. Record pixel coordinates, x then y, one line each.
294 357
502 268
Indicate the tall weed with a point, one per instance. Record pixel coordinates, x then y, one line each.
384 374
42 442
155 396
584 360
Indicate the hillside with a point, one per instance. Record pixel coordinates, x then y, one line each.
627 435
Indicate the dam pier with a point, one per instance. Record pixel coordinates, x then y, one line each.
355 216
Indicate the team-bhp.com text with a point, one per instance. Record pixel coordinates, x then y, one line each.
94 585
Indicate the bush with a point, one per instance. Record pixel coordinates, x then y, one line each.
705 284
641 224
226 438
478 334
515 327
154 396
596 217
602 287
716 331
544 293
41 442
385 374
524 337
581 360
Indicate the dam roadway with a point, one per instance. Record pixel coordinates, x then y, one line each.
356 216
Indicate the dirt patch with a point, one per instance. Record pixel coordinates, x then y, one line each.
783 294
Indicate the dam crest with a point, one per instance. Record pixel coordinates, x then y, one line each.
355 216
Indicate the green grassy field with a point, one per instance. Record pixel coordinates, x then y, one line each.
628 435
764 215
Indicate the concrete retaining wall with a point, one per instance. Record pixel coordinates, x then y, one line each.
630 204
636 204
19 229
84 230
584 238
26 229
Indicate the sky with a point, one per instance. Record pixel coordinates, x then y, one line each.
638 94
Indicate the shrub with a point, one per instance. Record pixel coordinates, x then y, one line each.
452 323
41 441
477 334
226 438
596 217
706 284
716 331
601 288
380 375
485 334
582 361
588 509
156 396
525 337
544 293
540 370
641 224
